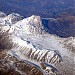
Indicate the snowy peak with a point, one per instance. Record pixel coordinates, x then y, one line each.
30 25
11 19
35 21
2 14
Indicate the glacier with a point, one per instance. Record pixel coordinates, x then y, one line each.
30 43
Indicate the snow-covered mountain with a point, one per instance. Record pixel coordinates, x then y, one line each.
44 8
26 40
30 25
2 14
10 19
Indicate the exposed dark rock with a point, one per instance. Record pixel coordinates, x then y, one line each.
10 65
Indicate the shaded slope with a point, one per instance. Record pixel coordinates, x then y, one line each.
63 26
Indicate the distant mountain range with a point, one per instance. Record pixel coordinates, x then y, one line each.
43 8
63 25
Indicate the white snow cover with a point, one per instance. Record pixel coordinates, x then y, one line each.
42 47
30 25
10 19
2 14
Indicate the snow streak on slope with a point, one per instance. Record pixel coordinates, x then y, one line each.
43 47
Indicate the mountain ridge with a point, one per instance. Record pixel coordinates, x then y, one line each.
41 49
